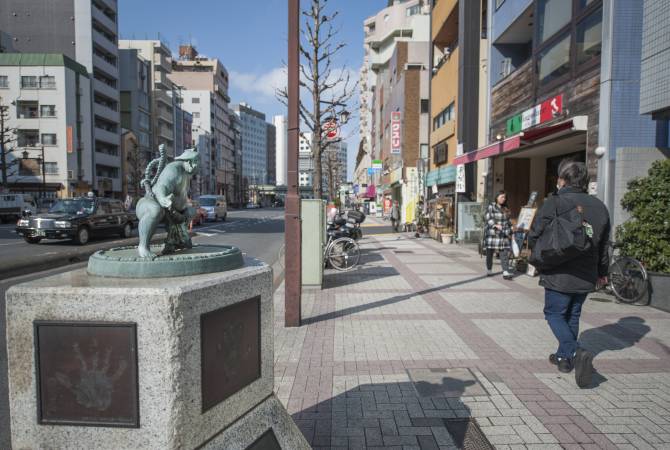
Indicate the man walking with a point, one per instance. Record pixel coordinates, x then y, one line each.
567 284
395 215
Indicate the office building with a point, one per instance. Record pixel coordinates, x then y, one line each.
254 144
135 85
305 161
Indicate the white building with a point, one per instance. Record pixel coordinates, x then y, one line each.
49 104
254 144
281 155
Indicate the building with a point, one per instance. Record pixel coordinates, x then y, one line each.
236 126
254 144
206 183
205 84
85 32
271 136
183 129
135 85
164 94
48 101
281 155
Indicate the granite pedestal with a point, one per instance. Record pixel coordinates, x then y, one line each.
145 363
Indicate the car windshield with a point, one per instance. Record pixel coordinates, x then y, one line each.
73 206
207 201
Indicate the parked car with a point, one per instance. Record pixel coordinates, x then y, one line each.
12 206
215 205
78 219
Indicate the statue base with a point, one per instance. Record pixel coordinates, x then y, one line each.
123 262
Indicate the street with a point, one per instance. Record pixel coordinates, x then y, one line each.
259 233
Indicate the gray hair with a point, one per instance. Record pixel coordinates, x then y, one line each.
574 174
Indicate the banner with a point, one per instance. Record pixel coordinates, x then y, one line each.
460 178
396 141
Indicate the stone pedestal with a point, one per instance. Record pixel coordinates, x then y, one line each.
136 363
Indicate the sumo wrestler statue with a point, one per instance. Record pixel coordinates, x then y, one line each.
166 200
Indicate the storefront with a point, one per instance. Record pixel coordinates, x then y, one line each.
441 190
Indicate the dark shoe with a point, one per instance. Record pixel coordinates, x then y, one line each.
553 359
583 368
564 365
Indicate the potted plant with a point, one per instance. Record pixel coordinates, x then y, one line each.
646 235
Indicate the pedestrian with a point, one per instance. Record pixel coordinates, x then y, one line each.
395 215
567 283
497 234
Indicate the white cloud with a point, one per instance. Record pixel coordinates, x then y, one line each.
260 85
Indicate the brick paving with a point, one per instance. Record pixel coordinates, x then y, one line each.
417 335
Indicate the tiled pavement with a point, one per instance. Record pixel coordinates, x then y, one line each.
417 335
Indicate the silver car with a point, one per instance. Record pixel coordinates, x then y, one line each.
215 205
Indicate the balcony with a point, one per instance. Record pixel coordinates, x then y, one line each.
166 132
165 115
104 66
107 159
161 80
162 62
105 89
162 97
109 137
105 112
102 18
103 41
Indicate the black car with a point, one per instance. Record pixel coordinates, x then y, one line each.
78 219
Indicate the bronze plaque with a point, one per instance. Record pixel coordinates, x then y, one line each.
87 374
230 348
268 441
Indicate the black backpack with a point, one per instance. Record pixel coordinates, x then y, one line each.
565 237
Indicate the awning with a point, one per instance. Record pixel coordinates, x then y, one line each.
524 139
441 175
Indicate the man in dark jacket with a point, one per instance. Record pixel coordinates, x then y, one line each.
567 285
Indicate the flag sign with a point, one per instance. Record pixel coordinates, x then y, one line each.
544 112
395 133
330 130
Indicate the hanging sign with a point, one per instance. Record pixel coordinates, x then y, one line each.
330 130
460 178
395 133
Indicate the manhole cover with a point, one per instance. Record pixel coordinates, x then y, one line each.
456 382
467 435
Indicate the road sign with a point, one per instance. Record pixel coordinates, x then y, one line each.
330 130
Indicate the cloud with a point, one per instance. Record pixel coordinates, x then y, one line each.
262 85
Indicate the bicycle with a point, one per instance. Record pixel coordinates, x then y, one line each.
627 277
341 253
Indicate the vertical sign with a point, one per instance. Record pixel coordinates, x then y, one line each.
70 139
395 133
460 178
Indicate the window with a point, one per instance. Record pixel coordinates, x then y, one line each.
440 153
553 15
28 82
48 139
589 38
195 100
47 110
196 115
26 110
4 82
47 82
27 138
554 62
446 115
51 168
413 10
424 106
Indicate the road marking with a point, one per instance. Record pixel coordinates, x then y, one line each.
12 243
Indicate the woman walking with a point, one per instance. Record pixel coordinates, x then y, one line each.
497 234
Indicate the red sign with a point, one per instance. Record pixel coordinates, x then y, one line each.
396 140
70 139
551 108
330 130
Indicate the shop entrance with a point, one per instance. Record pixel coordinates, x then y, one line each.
517 183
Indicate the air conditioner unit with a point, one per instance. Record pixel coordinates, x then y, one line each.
505 67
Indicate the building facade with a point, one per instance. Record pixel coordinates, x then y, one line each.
51 121
254 144
281 155
86 32
135 85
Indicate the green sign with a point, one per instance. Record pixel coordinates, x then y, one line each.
376 163
514 125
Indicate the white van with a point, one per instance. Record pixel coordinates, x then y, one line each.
215 205
12 206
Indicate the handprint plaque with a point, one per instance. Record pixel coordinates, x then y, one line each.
87 373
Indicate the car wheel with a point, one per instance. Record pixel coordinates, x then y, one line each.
82 236
126 231
32 240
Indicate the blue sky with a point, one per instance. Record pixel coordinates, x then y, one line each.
249 37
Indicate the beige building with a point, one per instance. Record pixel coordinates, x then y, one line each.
205 90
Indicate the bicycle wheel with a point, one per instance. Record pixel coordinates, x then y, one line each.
628 279
343 254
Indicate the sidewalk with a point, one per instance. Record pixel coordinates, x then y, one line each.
390 354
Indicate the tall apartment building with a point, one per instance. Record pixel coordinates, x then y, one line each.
48 100
135 85
254 144
236 126
271 139
334 163
205 81
164 94
87 33
281 155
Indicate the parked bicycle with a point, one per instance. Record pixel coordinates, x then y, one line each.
341 253
627 277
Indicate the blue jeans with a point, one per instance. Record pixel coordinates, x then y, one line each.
562 312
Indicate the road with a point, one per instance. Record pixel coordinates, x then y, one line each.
259 233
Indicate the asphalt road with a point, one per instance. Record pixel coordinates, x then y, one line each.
259 233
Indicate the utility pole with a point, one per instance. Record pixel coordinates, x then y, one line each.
293 226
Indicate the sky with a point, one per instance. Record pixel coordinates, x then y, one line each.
250 39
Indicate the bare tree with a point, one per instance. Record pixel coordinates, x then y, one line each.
7 137
330 88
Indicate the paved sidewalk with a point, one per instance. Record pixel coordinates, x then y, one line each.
390 353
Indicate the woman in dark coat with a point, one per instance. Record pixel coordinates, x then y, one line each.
497 234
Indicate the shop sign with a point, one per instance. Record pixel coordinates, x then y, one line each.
331 130
396 175
544 112
371 171
70 139
460 178
395 133
377 164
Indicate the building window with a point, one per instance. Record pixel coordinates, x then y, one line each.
26 110
589 38
47 110
4 82
413 10
196 115
29 82
51 168
424 106
443 117
195 100
48 139
27 138
28 167
440 153
554 62
553 15
47 82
